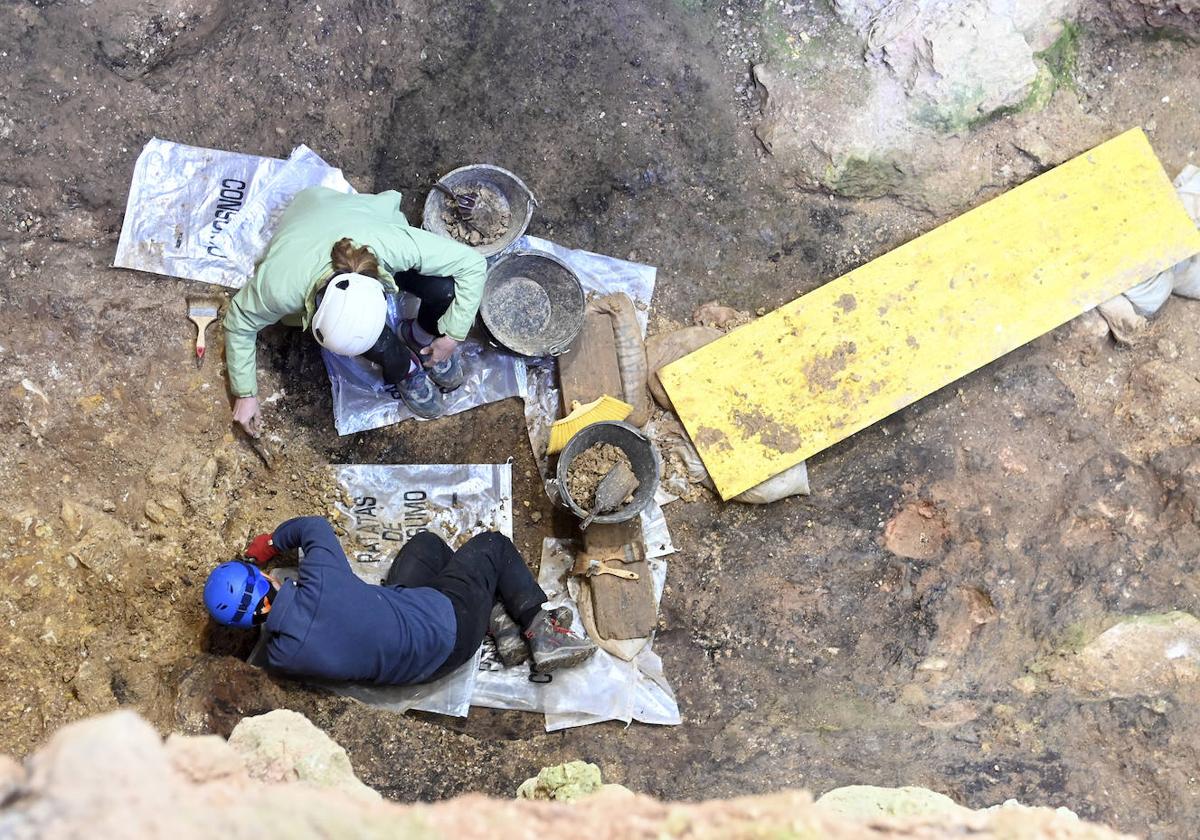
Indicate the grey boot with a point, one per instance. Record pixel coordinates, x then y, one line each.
510 646
554 645
417 391
447 374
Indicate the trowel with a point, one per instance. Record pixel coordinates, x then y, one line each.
612 491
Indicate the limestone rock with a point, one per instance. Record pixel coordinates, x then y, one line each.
868 802
205 758
1145 655
112 776
562 782
197 482
72 518
902 122
284 746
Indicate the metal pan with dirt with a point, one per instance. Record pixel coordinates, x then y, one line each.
483 206
532 304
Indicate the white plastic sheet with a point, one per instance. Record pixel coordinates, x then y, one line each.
182 197
394 502
361 400
603 688
244 240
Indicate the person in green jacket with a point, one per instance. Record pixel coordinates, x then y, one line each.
331 263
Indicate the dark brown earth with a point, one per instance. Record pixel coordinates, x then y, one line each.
803 651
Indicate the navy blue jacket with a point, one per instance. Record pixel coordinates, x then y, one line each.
333 625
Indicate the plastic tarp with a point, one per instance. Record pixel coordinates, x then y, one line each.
182 199
361 400
603 688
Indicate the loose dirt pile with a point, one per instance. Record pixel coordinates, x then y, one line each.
589 469
489 220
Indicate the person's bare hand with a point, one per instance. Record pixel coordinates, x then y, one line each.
441 349
245 413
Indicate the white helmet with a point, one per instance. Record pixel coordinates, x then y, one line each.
351 315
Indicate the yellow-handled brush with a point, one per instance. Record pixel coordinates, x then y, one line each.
583 415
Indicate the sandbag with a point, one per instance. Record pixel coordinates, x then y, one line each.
1124 321
664 348
791 482
631 353
1187 273
1149 296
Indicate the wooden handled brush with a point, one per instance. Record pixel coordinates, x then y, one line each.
202 311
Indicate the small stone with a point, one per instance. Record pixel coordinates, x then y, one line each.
536 516
914 695
172 503
155 513
107 506
1025 684
72 517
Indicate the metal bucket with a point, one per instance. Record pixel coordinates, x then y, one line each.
637 448
509 187
532 304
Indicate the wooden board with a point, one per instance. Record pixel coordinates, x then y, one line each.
590 370
618 542
624 609
861 347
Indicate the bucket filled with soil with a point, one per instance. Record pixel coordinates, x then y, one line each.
490 208
532 304
597 456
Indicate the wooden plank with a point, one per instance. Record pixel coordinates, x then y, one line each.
848 354
590 370
624 609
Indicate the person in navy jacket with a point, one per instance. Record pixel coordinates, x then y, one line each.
426 619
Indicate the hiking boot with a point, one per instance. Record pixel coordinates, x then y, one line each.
553 645
418 393
447 374
510 645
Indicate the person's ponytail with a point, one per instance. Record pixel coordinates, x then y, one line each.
348 259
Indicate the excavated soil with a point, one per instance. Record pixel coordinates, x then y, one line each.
816 642
489 219
589 469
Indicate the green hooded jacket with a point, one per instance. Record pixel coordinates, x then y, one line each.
296 266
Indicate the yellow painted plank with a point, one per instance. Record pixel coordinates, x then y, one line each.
861 347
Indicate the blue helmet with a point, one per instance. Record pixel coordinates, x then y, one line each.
233 591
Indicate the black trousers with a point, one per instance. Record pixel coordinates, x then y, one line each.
436 294
390 352
488 566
